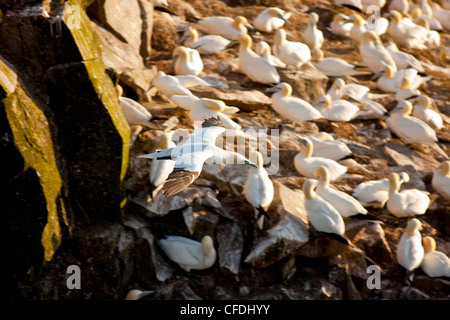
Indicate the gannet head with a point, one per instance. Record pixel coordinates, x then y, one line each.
414 225
445 168
395 16
308 188
324 101
368 37
429 244
313 18
241 21
403 107
423 100
277 13
316 54
322 173
357 19
280 37
284 87
207 245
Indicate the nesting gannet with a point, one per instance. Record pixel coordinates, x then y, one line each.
312 36
262 49
226 27
258 188
271 19
422 110
410 250
402 59
344 203
187 61
292 108
325 146
418 17
255 67
442 15
322 215
134 112
137 294
160 169
441 180
189 254
340 90
341 25
391 81
411 129
206 108
434 263
290 52
433 39
406 33
331 66
360 26
375 193
307 165
176 85
406 92
336 110
191 155
374 54
208 44
369 109
401 6
409 202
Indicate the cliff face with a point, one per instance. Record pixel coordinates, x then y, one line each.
65 139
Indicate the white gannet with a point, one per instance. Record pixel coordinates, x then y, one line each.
406 203
411 129
160 169
271 19
360 26
441 180
176 85
292 108
258 188
374 54
418 16
369 109
189 254
307 165
406 33
391 81
422 110
336 110
206 108
442 15
340 90
406 92
208 44
191 155
226 27
187 61
325 146
341 25
344 203
134 112
410 250
255 67
262 49
434 263
331 66
401 6
312 36
375 193
433 39
290 52
402 59
322 215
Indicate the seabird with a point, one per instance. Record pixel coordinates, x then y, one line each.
410 250
192 154
441 180
434 263
271 19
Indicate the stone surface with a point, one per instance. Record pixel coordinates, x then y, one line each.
307 83
230 243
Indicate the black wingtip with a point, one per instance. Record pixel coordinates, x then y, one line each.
262 212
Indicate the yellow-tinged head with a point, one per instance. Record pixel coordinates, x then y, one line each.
429 244
413 226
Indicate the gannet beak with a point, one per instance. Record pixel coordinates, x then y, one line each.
232 44
272 89
249 26
250 163
145 293
377 75
301 139
280 16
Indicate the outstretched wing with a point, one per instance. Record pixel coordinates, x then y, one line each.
178 180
